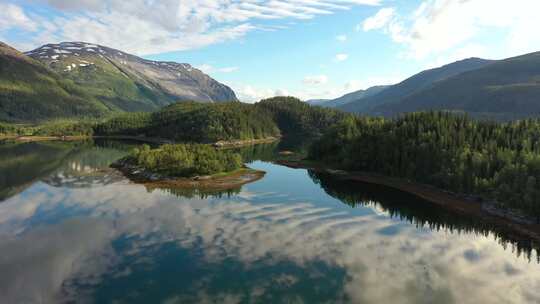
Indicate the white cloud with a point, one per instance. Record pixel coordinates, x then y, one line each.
251 94
440 26
316 80
341 38
366 83
228 69
467 51
342 57
379 20
315 87
207 68
13 16
149 27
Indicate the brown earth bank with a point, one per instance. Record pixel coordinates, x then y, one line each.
520 226
153 140
48 138
241 143
217 182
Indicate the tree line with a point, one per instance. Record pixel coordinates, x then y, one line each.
495 161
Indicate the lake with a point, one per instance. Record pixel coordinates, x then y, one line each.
74 231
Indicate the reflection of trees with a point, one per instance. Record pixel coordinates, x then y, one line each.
58 163
194 192
270 151
22 164
86 167
416 211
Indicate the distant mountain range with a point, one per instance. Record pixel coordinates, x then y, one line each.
82 79
347 98
504 89
500 89
74 79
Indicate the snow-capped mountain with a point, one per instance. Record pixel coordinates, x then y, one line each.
129 82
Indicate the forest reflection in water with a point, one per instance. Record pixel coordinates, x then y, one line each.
421 213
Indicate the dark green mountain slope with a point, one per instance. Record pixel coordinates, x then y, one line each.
354 96
416 83
31 91
506 89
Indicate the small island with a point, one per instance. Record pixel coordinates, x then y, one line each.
187 166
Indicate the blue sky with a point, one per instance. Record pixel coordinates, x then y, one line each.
305 48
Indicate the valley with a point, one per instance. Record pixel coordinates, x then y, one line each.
182 190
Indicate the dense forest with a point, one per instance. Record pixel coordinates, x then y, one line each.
499 162
200 122
195 122
297 118
185 160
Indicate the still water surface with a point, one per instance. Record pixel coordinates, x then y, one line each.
73 231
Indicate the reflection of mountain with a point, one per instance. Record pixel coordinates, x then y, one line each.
75 164
415 210
23 164
87 167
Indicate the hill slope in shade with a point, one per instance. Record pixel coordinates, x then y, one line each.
31 91
416 83
505 89
317 102
127 82
354 96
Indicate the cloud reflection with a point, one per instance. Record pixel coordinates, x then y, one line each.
46 257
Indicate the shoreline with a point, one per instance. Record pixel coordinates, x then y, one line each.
217 182
449 201
242 143
152 140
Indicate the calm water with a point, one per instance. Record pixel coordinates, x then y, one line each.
73 231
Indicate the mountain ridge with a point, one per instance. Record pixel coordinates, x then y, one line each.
419 81
83 79
154 83
504 89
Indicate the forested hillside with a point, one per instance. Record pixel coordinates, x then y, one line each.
499 162
295 117
195 122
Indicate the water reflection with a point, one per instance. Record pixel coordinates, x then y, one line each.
279 240
56 162
420 213
23 164
194 192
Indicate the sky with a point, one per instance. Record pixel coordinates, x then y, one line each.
311 49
